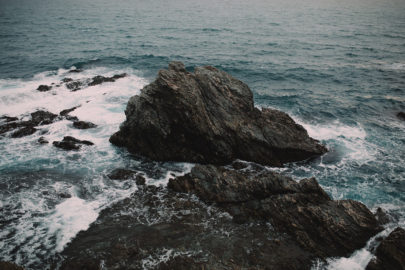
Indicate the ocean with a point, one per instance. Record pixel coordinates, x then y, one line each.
337 67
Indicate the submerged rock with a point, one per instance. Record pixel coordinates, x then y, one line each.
301 209
67 111
83 125
390 253
74 85
209 117
121 174
25 131
44 88
42 140
101 79
401 115
71 143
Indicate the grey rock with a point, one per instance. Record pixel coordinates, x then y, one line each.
208 117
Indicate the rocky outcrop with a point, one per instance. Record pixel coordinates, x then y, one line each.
71 143
159 229
390 253
209 117
302 209
83 125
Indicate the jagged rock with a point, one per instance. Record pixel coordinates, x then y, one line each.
42 118
8 119
390 254
42 140
25 131
382 216
101 79
44 88
71 143
140 180
154 222
303 210
121 174
401 115
9 266
8 127
83 125
65 80
74 85
67 111
209 117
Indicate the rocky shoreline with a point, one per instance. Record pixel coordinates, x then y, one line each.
224 214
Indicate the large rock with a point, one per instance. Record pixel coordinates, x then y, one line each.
209 117
302 209
390 253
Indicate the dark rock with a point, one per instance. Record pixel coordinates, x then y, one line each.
101 79
83 125
237 165
75 70
303 210
154 222
65 195
25 131
74 85
42 118
42 140
9 266
209 117
67 111
390 253
44 88
71 118
65 80
121 174
8 127
382 216
140 180
401 115
70 143
8 119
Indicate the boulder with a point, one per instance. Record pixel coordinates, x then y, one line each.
22 132
42 118
121 174
301 209
71 143
44 88
83 125
42 140
207 116
390 253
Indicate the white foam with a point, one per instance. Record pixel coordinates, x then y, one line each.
70 217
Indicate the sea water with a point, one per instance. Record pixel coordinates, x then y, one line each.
337 67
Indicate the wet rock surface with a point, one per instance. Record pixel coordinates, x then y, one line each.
220 218
122 174
208 117
44 88
159 229
390 253
71 143
83 125
301 209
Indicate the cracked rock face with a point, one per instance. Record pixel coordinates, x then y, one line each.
208 116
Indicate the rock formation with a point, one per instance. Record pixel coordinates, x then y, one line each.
209 117
390 253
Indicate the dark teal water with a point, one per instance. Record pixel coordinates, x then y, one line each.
338 67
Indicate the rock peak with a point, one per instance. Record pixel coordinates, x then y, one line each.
208 116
